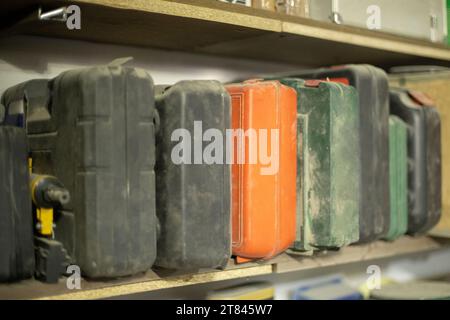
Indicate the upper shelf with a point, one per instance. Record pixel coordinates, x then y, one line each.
163 279
213 27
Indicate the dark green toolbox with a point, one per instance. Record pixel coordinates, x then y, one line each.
328 178
398 184
424 157
371 83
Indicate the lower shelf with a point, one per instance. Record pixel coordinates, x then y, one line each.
163 279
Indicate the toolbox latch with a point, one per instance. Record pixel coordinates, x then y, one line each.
312 83
420 98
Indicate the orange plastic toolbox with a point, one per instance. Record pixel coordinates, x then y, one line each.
264 167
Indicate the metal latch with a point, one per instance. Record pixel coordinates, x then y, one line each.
59 14
433 27
335 16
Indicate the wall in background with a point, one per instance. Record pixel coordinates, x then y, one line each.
23 58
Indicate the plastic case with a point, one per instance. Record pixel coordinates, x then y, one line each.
329 173
424 157
371 84
93 128
16 223
193 195
263 192
434 83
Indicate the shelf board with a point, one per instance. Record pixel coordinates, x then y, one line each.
356 253
163 279
213 27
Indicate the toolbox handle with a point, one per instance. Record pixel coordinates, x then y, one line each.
34 97
120 61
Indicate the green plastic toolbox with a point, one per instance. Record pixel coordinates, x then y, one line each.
398 179
372 87
328 178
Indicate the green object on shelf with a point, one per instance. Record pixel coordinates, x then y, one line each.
448 22
398 178
329 172
448 27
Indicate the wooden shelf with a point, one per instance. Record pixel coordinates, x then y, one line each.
213 27
162 279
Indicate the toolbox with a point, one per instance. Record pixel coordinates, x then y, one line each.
193 194
93 128
16 224
329 173
263 187
434 83
424 157
398 171
423 19
371 84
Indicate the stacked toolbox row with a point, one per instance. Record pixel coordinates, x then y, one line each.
142 196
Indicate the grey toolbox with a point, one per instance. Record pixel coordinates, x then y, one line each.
372 86
16 223
93 129
424 19
424 157
193 196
